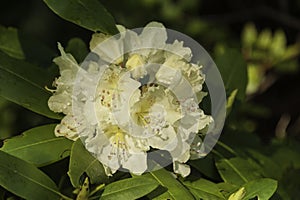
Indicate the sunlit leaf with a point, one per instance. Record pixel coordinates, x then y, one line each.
81 162
238 195
173 188
249 35
292 51
230 101
255 78
237 171
25 180
24 84
264 39
278 45
261 188
89 14
128 189
227 189
9 42
38 146
204 189
84 190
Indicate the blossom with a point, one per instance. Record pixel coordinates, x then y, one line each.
135 95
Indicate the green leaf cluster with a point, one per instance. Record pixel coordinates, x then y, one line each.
38 165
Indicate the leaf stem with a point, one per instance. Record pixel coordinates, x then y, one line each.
64 197
98 188
226 147
217 153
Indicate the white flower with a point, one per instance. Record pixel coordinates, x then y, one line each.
140 95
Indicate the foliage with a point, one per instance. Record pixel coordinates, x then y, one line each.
240 167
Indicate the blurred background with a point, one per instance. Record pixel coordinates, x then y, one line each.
265 32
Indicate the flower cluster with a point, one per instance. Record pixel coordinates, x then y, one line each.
135 95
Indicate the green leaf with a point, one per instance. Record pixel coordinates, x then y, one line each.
9 42
89 14
288 186
25 180
233 70
286 157
292 51
255 77
237 171
82 161
270 168
24 84
230 101
249 35
2 193
227 189
278 45
128 189
262 188
206 166
38 146
204 189
264 39
35 51
77 48
84 190
238 195
175 190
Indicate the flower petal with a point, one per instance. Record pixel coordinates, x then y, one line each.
182 169
61 103
166 140
66 61
153 36
136 163
67 128
178 49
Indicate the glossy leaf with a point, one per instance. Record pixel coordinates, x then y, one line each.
89 14
81 162
233 70
9 42
25 180
174 189
24 84
262 188
237 171
127 189
204 189
38 146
